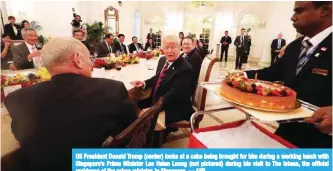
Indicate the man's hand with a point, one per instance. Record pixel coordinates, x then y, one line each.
283 49
239 46
137 84
322 119
7 44
33 54
277 51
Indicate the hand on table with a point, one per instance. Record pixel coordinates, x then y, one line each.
322 119
137 84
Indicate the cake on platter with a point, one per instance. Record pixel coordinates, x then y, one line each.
258 94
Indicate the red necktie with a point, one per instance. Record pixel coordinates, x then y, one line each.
160 78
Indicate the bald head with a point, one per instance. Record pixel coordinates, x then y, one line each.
66 55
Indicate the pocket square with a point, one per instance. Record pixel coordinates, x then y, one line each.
320 71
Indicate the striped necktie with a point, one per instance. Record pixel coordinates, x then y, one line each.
303 57
122 48
160 78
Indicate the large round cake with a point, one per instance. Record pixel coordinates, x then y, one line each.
258 94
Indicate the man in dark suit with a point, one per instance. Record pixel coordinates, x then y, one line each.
241 43
173 81
225 41
119 46
276 46
151 35
306 67
24 53
79 35
104 48
135 46
192 56
72 110
13 30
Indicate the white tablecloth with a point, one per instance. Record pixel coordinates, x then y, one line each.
142 71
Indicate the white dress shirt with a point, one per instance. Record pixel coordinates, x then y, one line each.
15 30
318 38
31 48
109 47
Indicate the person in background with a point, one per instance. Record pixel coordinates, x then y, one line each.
6 54
151 35
83 28
13 30
201 49
306 67
24 53
150 45
135 46
78 35
276 46
181 37
120 46
249 44
25 24
225 42
158 39
192 56
241 42
105 48
72 110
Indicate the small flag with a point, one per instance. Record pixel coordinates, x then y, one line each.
323 49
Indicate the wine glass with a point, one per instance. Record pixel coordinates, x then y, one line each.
94 56
39 46
118 66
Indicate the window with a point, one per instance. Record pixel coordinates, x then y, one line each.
137 25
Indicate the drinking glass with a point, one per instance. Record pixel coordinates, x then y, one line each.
39 46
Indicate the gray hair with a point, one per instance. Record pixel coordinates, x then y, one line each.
56 51
171 38
25 30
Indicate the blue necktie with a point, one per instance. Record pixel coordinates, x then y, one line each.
303 57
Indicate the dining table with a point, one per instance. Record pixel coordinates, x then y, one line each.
145 69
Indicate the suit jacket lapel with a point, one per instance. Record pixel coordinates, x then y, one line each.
160 67
315 56
106 47
25 49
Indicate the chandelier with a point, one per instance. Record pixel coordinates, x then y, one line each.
199 4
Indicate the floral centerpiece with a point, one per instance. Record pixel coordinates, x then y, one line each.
156 53
110 62
24 80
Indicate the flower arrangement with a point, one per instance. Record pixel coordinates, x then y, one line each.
110 62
